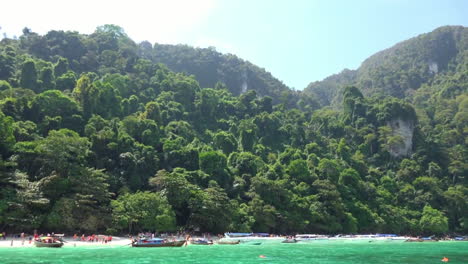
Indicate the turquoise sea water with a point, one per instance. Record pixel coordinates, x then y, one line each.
315 252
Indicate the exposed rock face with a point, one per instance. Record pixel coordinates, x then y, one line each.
433 68
403 129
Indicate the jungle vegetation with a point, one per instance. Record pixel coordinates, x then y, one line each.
99 133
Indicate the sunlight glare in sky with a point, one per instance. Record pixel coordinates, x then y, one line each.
155 21
298 41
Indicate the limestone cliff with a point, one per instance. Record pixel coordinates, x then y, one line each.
403 130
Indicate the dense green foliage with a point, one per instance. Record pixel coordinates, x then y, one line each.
209 67
95 135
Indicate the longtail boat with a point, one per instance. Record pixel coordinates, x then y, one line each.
289 240
227 242
201 241
48 242
157 242
251 237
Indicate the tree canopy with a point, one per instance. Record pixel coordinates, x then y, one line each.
97 134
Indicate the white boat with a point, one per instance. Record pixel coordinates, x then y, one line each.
310 237
398 239
251 238
369 238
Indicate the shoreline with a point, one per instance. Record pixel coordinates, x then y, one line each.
122 242
69 242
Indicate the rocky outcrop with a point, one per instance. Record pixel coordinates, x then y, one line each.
402 130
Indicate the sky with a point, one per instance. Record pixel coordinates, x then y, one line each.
298 41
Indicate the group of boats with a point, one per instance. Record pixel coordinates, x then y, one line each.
259 238
252 239
164 242
157 242
304 238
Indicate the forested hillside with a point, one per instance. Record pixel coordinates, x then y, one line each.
402 69
210 67
97 135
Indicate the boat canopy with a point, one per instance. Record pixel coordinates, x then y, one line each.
154 239
238 234
307 235
386 235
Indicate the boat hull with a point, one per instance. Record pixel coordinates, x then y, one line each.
422 240
201 243
254 239
309 240
228 242
165 244
49 245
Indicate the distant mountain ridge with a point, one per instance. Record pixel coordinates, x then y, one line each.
112 47
210 67
400 70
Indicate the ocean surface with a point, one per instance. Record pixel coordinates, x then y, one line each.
313 252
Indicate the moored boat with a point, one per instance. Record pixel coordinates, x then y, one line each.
413 239
423 239
226 242
251 237
235 235
310 237
289 240
50 242
201 241
157 242
430 239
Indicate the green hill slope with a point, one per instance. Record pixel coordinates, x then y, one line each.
403 68
210 67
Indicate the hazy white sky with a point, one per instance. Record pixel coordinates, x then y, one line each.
153 20
298 41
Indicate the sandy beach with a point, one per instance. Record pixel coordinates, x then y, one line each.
69 242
